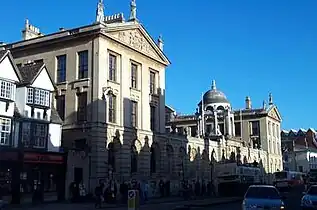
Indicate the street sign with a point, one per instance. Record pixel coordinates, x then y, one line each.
131 194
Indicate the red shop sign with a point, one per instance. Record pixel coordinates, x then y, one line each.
43 158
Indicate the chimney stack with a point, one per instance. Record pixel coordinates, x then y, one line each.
30 31
248 104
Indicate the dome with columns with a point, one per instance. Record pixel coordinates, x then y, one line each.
214 96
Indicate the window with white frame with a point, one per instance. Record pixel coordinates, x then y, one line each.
5 124
40 134
7 90
38 97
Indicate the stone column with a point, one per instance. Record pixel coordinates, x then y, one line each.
233 130
227 124
215 123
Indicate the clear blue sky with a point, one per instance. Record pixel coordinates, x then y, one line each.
250 47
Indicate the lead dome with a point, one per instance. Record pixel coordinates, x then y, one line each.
213 96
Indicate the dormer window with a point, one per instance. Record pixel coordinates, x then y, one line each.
38 97
7 90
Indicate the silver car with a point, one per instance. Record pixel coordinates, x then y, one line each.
309 200
262 197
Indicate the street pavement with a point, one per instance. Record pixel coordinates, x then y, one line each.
168 204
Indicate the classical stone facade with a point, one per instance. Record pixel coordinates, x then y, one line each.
110 78
245 135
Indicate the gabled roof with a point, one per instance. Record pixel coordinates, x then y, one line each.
3 54
112 31
29 73
170 108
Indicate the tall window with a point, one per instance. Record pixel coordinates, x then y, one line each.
60 106
134 75
40 135
134 113
7 90
5 130
112 108
193 131
255 128
38 97
82 107
112 67
237 128
61 68
26 134
83 64
153 112
152 82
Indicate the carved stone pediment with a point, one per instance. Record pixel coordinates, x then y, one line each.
273 113
135 39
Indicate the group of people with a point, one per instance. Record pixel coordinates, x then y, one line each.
196 189
107 192
77 192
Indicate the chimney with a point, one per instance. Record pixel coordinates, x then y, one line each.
248 103
30 31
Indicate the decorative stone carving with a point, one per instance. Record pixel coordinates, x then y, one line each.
136 40
273 114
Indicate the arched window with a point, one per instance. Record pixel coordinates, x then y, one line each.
134 159
209 108
111 156
112 103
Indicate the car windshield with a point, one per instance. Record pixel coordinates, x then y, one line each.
262 193
312 190
280 175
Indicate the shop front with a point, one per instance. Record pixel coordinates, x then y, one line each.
9 170
42 177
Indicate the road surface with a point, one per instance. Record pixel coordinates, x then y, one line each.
292 202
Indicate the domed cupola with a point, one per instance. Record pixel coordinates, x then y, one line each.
214 96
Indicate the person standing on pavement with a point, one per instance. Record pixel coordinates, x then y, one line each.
161 186
146 191
99 196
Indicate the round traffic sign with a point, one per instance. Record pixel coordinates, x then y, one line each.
131 194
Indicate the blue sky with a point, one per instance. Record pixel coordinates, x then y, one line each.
249 47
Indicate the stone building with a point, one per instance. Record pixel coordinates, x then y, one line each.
110 79
221 133
299 148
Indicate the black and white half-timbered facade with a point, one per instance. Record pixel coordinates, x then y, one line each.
30 131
